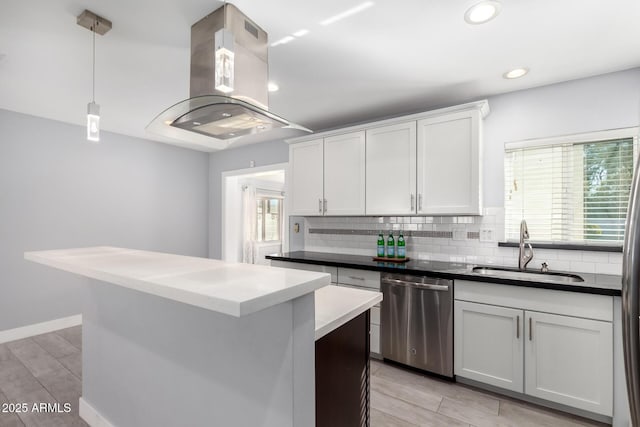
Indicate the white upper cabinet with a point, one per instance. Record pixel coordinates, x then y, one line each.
391 170
426 164
449 173
306 163
344 174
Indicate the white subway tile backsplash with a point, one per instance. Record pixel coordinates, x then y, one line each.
440 247
597 257
560 266
615 258
609 269
545 254
583 267
488 219
570 255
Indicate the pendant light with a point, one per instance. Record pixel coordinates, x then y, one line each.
224 57
97 25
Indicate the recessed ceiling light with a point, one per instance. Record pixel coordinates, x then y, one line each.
482 12
301 33
340 16
515 73
273 87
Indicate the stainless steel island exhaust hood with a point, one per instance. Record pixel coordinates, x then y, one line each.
214 119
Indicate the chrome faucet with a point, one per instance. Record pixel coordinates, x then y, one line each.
526 253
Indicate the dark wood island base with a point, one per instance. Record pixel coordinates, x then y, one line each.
342 375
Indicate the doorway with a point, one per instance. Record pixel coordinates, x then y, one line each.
254 223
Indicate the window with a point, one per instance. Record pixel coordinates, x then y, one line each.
571 189
268 219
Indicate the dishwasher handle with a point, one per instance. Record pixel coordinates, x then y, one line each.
425 286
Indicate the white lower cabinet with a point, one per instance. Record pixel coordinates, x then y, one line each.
488 344
570 361
514 340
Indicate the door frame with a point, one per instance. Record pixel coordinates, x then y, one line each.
248 171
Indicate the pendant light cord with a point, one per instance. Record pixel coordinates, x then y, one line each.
224 23
93 30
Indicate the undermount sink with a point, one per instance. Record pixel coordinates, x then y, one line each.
512 273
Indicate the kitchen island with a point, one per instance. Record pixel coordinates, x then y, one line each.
172 340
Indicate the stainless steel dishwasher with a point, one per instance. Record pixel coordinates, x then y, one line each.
416 326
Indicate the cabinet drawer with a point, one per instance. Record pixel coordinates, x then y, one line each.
375 315
588 306
361 278
308 267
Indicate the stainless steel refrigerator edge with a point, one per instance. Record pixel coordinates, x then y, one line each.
417 322
631 302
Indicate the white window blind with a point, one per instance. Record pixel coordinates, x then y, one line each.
569 191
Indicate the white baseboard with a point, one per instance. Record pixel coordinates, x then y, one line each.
39 328
92 417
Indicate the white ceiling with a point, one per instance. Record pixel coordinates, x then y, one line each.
395 57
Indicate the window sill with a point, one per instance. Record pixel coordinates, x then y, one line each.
566 246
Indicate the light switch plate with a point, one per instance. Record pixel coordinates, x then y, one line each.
486 234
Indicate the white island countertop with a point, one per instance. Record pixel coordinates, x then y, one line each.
233 289
336 305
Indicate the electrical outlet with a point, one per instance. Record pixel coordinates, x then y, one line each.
486 235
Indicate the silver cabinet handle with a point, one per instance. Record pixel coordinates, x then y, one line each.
356 278
420 202
325 205
517 327
320 205
412 201
530 330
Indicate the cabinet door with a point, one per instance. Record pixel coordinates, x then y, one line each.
391 170
449 175
570 361
488 344
306 160
344 174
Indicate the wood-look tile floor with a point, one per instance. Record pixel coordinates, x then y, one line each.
48 369
43 369
404 398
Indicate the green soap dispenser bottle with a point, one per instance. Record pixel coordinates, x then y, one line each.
380 245
391 246
401 246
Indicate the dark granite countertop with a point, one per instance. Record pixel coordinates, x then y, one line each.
602 284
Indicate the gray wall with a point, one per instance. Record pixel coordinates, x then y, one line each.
239 158
603 102
57 190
